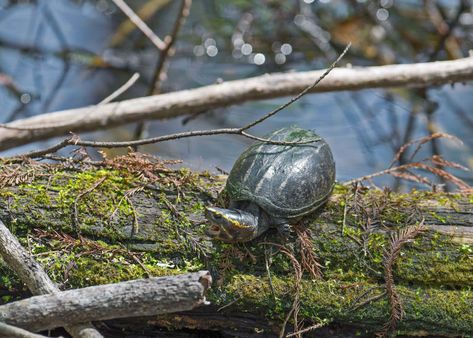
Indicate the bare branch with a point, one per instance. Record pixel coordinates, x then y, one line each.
135 298
160 44
160 69
75 141
64 143
166 52
236 92
123 88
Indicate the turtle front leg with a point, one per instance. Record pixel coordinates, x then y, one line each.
284 231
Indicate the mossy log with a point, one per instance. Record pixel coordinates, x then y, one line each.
106 222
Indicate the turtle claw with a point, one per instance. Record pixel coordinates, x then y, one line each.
285 231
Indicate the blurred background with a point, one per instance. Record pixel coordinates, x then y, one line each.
58 54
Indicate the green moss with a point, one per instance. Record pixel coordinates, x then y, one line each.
83 191
340 189
65 193
431 259
441 219
436 260
81 263
356 254
334 301
357 250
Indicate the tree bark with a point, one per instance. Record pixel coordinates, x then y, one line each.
229 93
144 219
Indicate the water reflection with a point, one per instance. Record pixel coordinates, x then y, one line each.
66 54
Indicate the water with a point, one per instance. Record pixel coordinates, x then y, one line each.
59 57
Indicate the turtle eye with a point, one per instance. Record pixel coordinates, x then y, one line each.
217 216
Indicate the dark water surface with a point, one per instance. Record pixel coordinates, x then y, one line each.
58 54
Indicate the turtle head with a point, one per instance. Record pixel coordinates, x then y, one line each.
231 225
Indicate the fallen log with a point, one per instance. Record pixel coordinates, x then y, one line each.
144 219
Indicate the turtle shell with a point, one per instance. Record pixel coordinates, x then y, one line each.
287 181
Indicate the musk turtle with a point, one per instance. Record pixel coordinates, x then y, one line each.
273 185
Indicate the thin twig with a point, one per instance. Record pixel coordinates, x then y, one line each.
160 71
123 88
302 93
38 153
344 221
369 300
160 44
143 266
136 224
229 304
307 329
295 308
268 271
169 41
296 302
284 324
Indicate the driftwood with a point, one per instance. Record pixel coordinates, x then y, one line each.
142 297
229 93
105 222
33 275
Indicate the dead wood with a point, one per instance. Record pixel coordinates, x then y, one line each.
230 93
146 219
143 297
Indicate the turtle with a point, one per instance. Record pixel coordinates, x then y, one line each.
273 186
